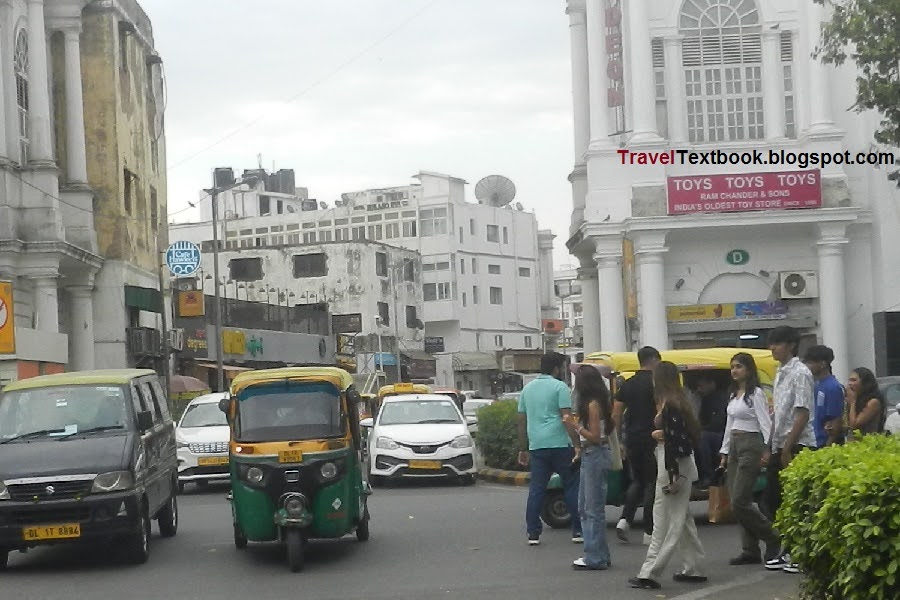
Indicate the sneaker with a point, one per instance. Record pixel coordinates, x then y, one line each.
622 530
790 567
773 550
647 538
578 539
643 584
777 563
534 539
579 565
745 559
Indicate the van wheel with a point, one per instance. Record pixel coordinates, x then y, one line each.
555 513
137 548
168 518
240 540
362 530
295 547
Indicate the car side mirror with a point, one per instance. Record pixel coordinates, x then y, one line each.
145 420
369 422
224 405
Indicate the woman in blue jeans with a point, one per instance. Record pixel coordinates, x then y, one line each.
594 420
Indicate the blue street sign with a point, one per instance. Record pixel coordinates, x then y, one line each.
183 258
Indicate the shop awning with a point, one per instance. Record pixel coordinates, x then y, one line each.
143 298
474 361
212 365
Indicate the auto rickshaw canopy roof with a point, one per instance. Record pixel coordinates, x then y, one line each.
338 377
688 360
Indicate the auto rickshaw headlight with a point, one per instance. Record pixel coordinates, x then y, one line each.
255 475
329 470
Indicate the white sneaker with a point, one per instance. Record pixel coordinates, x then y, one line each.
647 538
622 530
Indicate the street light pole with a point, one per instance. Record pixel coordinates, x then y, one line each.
220 351
396 325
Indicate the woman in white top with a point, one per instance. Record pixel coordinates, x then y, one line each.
747 426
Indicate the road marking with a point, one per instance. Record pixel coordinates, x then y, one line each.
717 589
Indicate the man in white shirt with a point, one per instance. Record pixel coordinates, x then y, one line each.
792 428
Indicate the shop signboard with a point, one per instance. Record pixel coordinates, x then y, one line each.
434 344
349 323
7 319
744 192
738 310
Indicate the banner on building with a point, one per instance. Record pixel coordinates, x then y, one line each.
7 319
739 310
191 304
744 192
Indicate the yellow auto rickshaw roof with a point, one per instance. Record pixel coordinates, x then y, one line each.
98 377
339 377
703 358
404 388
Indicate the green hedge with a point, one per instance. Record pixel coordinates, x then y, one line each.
840 520
497 437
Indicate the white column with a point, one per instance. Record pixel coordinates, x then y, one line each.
598 83
590 306
676 108
81 344
76 153
819 93
46 303
612 296
832 296
40 149
581 108
643 97
649 251
4 152
773 84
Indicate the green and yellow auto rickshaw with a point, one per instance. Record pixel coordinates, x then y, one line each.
295 458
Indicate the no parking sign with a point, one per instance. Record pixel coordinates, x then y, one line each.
183 258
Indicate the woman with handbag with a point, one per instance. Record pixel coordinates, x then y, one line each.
677 433
743 449
594 421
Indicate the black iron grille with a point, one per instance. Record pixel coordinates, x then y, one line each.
49 490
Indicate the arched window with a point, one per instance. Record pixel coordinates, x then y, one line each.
20 62
722 61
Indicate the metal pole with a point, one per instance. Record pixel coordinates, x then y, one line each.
379 372
220 354
165 327
396 325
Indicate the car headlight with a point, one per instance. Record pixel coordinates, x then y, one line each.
4 493
463 441
255 475
386 443
113 481
329 470
180 443
294 506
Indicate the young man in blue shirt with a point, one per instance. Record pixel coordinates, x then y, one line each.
547 444
828 414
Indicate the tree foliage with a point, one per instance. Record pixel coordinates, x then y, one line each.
868 33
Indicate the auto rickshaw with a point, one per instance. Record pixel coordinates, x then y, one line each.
295 462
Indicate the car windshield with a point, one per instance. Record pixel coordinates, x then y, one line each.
291 411
472 406
415 412
62 411
205 414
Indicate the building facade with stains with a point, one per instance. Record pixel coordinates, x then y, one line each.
61 214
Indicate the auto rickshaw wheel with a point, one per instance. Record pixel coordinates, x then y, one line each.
362 530
240 540
555 513
295 549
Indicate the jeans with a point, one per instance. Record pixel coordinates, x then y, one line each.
595 463
642 464
743 471
544 462
708 454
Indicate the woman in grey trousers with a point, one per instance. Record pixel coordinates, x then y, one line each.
743 446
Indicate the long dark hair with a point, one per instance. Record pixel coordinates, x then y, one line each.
752 382
590 387
868 389
667 388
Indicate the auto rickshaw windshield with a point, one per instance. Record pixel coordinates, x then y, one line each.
288 411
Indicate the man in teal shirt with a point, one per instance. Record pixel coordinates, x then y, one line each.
547 444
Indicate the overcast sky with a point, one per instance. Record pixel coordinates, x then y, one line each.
356 94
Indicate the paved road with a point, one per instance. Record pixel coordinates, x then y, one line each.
428 541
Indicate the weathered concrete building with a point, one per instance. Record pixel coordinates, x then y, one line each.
80 201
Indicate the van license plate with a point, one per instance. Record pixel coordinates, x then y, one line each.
52 532
212 461
431 465
290 456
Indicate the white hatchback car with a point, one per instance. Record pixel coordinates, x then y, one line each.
420 435
202 436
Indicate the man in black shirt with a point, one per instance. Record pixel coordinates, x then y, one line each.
635 399
713 415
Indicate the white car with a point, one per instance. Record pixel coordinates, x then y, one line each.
470 411
202 436
420 435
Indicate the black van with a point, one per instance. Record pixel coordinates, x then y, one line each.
86 456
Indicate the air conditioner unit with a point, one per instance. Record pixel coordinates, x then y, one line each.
176 339
799 284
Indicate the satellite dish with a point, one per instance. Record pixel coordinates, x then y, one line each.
495 190
519 207
322 205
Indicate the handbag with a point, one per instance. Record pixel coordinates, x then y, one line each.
615 452
719 505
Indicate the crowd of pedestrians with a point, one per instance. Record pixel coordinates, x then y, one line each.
675 439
